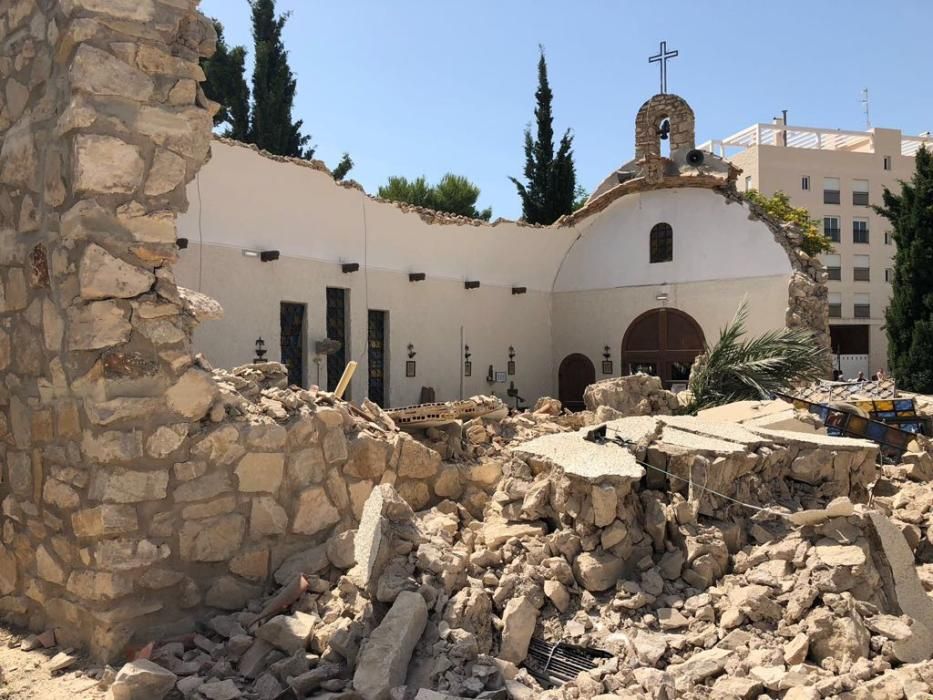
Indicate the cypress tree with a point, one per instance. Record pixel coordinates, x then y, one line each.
550 179
271 127
226 85
909 316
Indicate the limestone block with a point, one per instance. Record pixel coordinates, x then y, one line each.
207 486
167 172
134 10
105 520
48 567
19 466
59 494
154 60
192 395
112 446
415 460
518 625
314 512
557 593
97 325
147 227
106 165
100 73
8 572
102 276
217 506
335 446
166 439
267 517
214 539
340 549
261 471
415 493
128 486
107 413
266 437
18 157
99 585
309 562
252 564
186 471
604 504
597 571
448 483
290 633
221 446
306 467
230 593
385 655
124 554
359 492
141 679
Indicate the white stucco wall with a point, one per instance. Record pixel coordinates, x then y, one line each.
585 283
713 240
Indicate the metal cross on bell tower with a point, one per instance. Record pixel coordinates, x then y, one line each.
662 57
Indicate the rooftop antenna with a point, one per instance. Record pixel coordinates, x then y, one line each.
864 100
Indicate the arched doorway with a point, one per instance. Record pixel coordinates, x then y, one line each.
663 342
576 372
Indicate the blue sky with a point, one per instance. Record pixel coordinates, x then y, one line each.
419 87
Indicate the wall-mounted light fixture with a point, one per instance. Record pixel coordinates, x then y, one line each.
251 253
260 350
519 290
410 367
662 297
182 243
467 365
350 267
471 284
607 362
269 255
416 277
510 367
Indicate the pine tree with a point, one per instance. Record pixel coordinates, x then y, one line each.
343 167
909 316
271 126
226 85
454 194
550 179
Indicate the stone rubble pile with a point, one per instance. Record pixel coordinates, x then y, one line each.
577 542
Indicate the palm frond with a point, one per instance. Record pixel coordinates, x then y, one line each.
738 368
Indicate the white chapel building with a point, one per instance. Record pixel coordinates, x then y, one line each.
638 279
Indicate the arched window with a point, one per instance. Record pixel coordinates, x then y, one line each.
662 243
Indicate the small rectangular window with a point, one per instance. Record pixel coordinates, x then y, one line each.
833 264
860 230
888 238
861 269
805 182
887 162
748 183
889 274
831 190
835 305
860 193
862 306
831 228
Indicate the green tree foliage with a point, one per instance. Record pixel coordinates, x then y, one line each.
343 167
737 369
226 85
271 125
580 195
549 189
779 207
454 194
909 316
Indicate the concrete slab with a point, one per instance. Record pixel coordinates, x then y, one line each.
697 443
730 432
633 428
788 437
584 459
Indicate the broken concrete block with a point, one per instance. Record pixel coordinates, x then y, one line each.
518 625
142 680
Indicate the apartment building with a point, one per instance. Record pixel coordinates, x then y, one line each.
836 175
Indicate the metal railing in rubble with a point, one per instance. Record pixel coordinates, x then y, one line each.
556 664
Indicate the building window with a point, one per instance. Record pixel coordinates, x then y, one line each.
889 274
748 183
860 193
662 243
862 306
835 305
831 228
337 315
833 266
888 238
860 230
861 269
830 190
887 162
805 182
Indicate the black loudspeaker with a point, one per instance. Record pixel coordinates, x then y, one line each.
695 157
